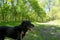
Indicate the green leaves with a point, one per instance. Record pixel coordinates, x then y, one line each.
22 10
36 7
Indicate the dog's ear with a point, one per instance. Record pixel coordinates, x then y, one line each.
23 23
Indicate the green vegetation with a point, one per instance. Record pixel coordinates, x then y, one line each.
45 14
18 10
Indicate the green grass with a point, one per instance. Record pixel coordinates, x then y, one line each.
9 23
40 32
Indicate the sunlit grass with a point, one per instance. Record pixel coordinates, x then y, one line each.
55 22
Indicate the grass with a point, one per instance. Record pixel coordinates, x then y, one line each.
40 32
9 23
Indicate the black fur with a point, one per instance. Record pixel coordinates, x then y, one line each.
15 32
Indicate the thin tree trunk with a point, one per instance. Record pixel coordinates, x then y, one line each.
12 9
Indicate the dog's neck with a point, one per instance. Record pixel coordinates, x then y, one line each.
22 28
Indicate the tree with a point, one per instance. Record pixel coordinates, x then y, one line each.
18 10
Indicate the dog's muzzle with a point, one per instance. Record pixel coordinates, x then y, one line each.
31 29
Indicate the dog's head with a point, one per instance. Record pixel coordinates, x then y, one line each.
28 25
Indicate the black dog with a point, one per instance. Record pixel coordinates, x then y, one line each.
17 32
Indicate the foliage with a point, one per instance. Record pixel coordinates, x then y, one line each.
52 8
18 10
